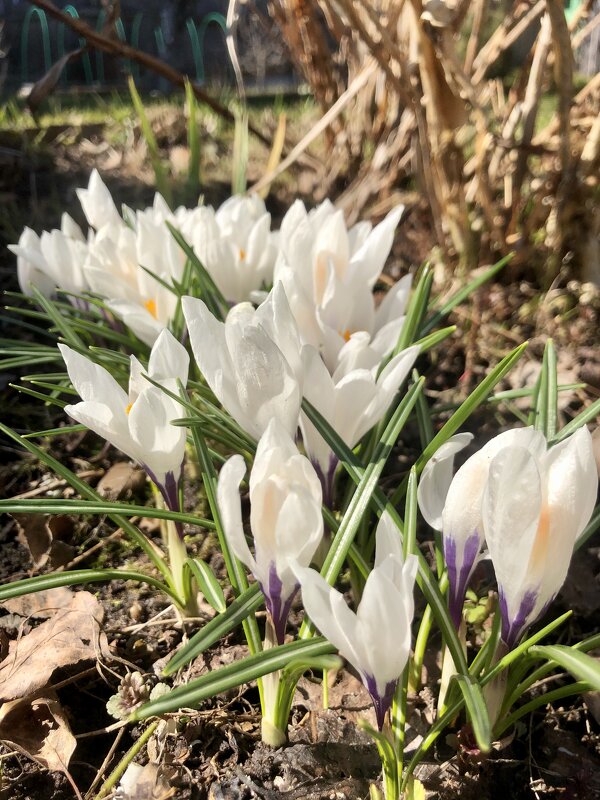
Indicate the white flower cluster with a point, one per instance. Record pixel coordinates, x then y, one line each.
317 334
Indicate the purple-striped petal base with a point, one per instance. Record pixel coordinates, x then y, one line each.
513 629
170 492
381 703
327 479
277 605
459 573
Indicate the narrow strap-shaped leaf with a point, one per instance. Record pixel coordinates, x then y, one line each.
236 574
543 700
425 578
590 413
463 293
160 173
86 491
242 671
361 499
93 507
581 666
477 710
78 577
57 318
193 137
241 608
211 294
453 709
545 416
463 412
416 310
207 583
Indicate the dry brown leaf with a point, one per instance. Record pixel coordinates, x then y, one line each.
45 86
39 604
43 537
121 479
39 728
67 640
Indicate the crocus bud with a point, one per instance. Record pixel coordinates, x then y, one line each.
285 517
453 505
375 640
535 505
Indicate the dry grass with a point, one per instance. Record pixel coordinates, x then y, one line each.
410 95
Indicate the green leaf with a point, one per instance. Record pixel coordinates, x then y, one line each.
243 671
93 507
85 490
477 711
368 483
160 174
207 583
239 160
193 138
51 309
78 577
241 608
427 582
210 292
581 666
463 293
590 414
546 411
235 573
416 310
463 412
410 516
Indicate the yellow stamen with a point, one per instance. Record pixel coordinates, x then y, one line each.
242 255
150 306
128 409
346 335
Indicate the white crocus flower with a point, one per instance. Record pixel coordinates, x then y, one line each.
251 361
535 505
137 422
454 504
329 273
375 640
97 203
285 517
113 271
52 261
236 247
352 403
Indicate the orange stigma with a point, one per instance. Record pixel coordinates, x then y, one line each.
150 306
242 255
128 409
346 335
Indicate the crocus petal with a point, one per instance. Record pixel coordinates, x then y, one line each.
97 203
437 477
394 303
327 608
168 359
145 326
92 381
374 252
228 499
512 508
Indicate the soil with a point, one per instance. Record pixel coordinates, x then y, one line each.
215 751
